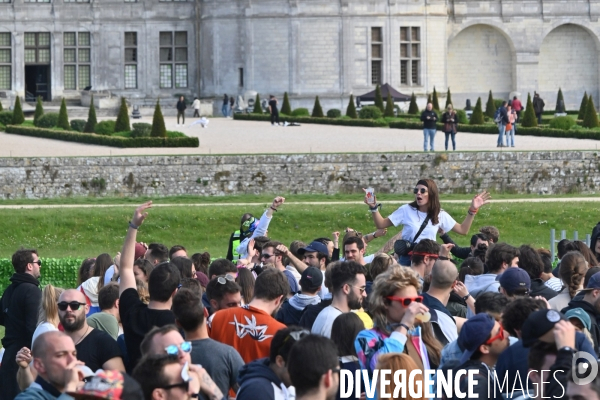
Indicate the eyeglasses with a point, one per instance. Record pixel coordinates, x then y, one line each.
498 336
296 335
336 370
417 190
361 288
173 349
74 305
266 256
185 376
38 262
405 301
224 278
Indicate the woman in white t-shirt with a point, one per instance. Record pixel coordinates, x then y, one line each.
427 203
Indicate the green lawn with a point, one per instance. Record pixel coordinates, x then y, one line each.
85 232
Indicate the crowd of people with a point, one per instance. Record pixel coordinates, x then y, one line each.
276 322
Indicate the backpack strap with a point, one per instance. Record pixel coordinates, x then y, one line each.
423 225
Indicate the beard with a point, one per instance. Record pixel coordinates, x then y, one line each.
354 302
73 325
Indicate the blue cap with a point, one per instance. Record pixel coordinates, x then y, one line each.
475 332
513 279
314 246
594 282
581 315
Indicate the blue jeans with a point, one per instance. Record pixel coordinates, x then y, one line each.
501 130
428 135
453 134
510 137
225 110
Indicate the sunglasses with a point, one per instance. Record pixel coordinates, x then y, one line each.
417 190
224 278
266 256
173 349
405 301
498 336
360 288
185 376
74 305
296 335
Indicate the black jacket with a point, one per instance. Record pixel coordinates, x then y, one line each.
288 315
538 288
460 252
181 106
578 302
594 239
311 312
429 123
20 304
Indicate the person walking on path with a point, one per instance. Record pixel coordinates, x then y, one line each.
538 107
225 109
510 127
181 110
196 107
517 107
450 125
429 118
501 117
273 110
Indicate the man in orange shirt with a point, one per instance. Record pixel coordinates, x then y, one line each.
250 329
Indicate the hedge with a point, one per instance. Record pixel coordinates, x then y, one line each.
60 272
114 141
310 120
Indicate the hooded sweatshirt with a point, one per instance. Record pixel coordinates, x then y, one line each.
258 378
594 317
291 310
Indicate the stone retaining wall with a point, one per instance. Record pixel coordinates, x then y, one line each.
514 172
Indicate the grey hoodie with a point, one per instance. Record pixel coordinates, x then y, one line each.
477 284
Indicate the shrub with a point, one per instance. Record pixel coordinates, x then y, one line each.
78 124
434 100
257 106
334 113
498 103
344 121
105 127
490 106
477 116
583 107
370 112
90 125
449 99
158 123
591 115
529 119
6 117
285 107
1 108
48 120
351 109
2 127
560 98
39 111
429 101
565 123
301 112
413 108
63 118
379 99
122 124
18 116
317 109
462 117
175 134
389 107
141 129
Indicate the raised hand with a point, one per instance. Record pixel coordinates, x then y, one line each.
481 199
140 215
336 237
381 232
445 249
24 357
277 201
460 289
370 200
282 249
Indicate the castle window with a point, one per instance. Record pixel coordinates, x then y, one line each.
173 60
77 60
376 55
410 56
5 61
131 58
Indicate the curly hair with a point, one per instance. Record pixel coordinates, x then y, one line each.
573 268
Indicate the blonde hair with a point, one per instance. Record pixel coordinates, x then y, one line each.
142 290
399 362
449 108
48 311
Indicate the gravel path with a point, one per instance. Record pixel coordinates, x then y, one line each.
226 136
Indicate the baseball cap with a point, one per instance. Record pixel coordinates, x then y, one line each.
514 278
314 246
109 385
312 279
581 315
594 282
474 333
140 251
537 324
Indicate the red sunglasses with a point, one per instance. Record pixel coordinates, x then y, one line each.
498 336
405 301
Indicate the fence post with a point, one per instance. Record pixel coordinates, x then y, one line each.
575 235
563 234
552 243
588 239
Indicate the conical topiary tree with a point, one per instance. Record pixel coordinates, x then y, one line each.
434 100
351 109
591 115
158 123
583 107
413 108
559 97
286 108
18 116
39 111
63 118
429 99
1 109
529 119
448 99
389 107
490 106
257 106
90 125
477 116
379 99
122 124
317 110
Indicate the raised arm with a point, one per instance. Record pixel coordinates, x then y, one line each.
128 253
295 261
481 199
380 222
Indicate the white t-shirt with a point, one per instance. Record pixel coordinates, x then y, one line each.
324 321
42 328
412 219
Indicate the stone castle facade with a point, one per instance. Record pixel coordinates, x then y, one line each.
330 48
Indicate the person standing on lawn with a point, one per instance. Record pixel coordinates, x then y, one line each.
181 110
273 110
429 118
538 107
450 121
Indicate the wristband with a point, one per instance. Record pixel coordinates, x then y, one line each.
405 327
472 211
131 225
273 208
375 208
466 297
